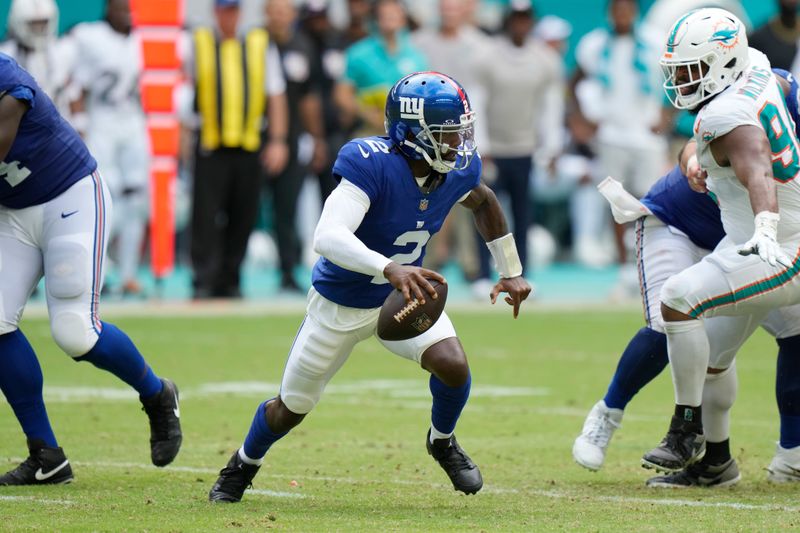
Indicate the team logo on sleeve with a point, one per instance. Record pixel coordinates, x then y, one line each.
708 136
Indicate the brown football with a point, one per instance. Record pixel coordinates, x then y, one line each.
399 320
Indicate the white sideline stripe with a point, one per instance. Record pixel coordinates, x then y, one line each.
491 490
394 388
276 493
296 307
400 393
34 499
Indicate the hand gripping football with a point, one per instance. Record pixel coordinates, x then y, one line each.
399 320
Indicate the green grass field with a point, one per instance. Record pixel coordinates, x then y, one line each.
358 462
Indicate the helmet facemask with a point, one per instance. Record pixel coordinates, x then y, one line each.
446 147
689 83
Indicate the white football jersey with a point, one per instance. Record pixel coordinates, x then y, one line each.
50 67
108 65
754 99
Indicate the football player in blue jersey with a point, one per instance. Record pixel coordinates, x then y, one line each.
393 194
683 228
54 210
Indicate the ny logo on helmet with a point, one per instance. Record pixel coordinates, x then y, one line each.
411 107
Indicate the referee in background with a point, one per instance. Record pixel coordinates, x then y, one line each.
234 80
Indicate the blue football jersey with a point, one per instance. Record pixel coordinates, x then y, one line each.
791 98
676 204
47 156
400 220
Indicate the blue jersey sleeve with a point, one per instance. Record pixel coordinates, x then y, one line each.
791 97
23 93
475 170
359 165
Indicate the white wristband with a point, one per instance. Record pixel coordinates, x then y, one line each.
766 223
506 258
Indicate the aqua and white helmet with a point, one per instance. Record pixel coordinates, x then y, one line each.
706 51
33 23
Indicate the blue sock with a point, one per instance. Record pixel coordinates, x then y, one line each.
21 382
260 437
643 359
447 403
115 352
787 390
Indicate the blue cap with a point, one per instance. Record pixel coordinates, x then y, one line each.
226 3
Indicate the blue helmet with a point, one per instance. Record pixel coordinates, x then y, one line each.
428 116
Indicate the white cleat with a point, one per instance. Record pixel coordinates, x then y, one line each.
590 447
785 466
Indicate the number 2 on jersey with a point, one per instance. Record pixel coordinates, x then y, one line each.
419 238
783 143
13 173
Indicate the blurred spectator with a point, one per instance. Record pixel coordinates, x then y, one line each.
552 190
663 14
305 118
373 65
455 48
31 39
107 70
328 61
233 79
358 21
522 72
617 88
778 37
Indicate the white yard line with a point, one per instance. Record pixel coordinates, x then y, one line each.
490 489
34 499
401 389
296 307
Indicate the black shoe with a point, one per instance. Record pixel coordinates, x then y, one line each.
464 474
165 424
700 475
682 446
44 466
233 480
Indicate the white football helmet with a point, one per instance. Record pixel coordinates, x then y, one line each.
706 51
34 23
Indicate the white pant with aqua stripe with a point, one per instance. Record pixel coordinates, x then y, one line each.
666 253
64 240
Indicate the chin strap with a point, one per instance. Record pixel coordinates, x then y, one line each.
437 165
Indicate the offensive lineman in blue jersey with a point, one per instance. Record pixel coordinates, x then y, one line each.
393 194
676 204
53 213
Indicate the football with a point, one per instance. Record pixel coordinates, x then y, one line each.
399 320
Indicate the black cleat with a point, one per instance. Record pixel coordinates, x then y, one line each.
233 480
165 424
44 466
682 446
700 474
464 474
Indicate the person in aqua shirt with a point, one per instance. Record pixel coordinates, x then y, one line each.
373 64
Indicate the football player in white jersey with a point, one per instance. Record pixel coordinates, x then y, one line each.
32 41
747 144
108 64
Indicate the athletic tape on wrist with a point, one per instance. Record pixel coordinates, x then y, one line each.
766 222
506 258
